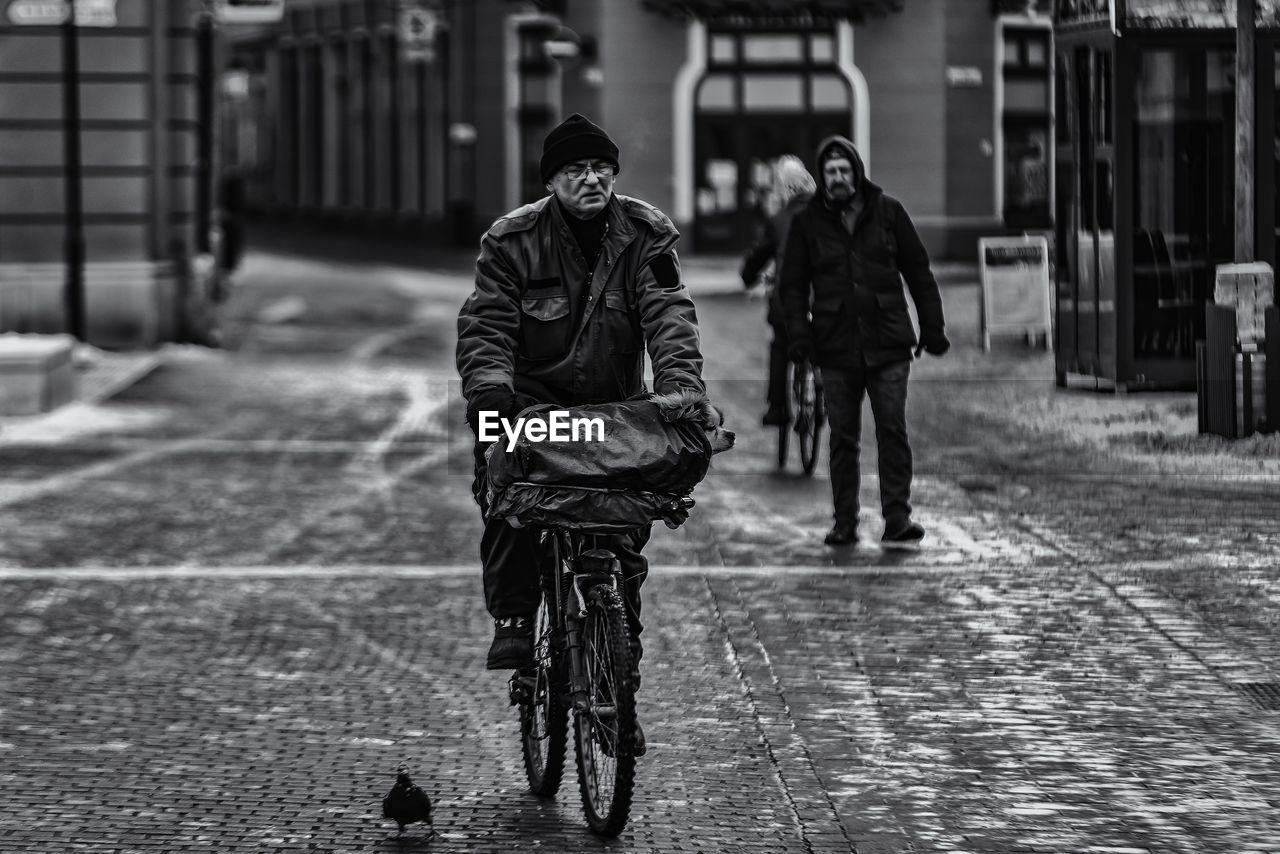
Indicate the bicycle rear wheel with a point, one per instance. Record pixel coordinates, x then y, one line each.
605 730
809 416
543 713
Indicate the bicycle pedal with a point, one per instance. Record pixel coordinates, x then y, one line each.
520 688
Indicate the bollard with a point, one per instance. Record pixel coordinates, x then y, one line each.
1215 377
1236 393
36 373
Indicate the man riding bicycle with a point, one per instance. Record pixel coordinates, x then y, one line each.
569 290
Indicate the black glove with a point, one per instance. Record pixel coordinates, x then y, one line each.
800 351
677 512
505 402
934 344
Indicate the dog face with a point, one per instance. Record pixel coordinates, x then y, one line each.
690 406
721 439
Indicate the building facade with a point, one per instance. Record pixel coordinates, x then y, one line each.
107 175
427 116
1145 144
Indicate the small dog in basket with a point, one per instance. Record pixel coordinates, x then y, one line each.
689 405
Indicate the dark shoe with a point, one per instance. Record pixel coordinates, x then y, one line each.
902 534
775 416
512 647
640 746
842 534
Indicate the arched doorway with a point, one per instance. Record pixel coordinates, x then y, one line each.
764 93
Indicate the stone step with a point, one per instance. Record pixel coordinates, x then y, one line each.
36 373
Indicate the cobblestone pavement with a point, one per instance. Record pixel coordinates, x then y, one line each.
873 709
235 596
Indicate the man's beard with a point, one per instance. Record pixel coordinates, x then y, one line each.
842 198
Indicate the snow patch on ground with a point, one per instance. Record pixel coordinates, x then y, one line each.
1155 429
77 421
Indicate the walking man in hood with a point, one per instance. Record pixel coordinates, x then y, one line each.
847 255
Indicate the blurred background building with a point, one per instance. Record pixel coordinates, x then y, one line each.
107 170
1147 189
123 198
427 116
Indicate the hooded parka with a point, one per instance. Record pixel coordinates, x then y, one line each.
539 323
852 282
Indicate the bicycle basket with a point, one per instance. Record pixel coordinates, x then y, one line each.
639 450
591 510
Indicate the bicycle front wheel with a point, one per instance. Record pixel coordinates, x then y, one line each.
543 713
784 434
809 421
605 729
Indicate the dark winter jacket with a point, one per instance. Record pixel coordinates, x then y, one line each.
852 283
519 330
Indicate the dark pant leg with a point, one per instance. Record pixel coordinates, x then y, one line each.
509 562
509 556
508 559
843 390
778 392
635 569
887 390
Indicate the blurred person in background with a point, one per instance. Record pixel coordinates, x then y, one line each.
846 256
791 190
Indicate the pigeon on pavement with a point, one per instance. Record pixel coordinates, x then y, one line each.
406 803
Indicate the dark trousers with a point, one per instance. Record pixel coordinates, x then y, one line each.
886 387
509 563
778 393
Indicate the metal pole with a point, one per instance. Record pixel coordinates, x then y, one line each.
73 294
205 82
1244 129
446 119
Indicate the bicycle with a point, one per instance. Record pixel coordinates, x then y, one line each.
811 414
583 665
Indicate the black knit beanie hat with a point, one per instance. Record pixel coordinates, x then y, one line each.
576 138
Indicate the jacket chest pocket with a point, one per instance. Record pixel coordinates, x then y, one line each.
621 326
894 320
544 326
832 331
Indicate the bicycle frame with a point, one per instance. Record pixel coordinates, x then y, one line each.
582 670
569 581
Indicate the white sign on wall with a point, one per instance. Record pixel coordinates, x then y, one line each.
417 27
249 11
43 13
959 76
1015 287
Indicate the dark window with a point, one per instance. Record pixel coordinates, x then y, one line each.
1025 69
1184 176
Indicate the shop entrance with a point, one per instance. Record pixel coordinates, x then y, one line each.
732 156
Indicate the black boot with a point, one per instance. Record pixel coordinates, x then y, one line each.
842 534
512 646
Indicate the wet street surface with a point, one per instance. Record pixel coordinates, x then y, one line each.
237 594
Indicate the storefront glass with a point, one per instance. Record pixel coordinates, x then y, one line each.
768 92
1025 125
1183 178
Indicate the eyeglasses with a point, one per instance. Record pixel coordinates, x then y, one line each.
578 171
